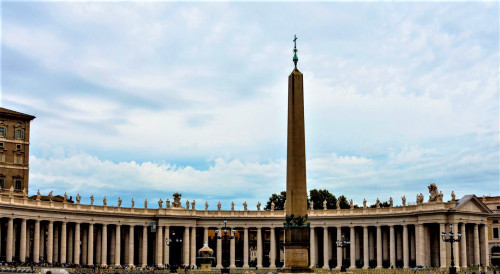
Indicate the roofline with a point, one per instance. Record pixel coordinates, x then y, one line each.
16 114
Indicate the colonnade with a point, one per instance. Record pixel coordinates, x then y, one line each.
378 246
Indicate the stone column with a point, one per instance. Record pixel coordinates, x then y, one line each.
63 242
339 250
259 247
166 248
43 229
419 243
485 246
90 257
50 243
312 247
159 245
193 246
131 245
442 246
379 246
219 251
232 253
406 250
326 243
392 246
144 245
36 243
463 246
456 251
245 248
22 244
10 239
272 252
104 245
353 247
205 235
76 252
476 244
185 248
118 239
366 261
98 247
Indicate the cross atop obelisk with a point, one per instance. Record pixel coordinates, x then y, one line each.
295 58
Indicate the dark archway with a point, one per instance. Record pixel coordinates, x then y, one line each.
495 256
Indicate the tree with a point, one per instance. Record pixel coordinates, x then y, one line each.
382 204
344 204
279 201
318 196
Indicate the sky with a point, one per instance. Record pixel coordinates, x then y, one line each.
142 100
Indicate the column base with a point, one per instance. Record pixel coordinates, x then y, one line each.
232 266
351 267
259 267
378 267
246 266
365 267
326 267
272 266
218 266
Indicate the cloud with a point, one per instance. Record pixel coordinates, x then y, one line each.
185 94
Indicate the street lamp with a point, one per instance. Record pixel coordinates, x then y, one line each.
225 229
342 244
223 235
451 239
174 240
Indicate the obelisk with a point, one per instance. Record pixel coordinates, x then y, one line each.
296 225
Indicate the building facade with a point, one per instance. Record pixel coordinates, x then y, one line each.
14 151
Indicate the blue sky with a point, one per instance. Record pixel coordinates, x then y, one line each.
146 99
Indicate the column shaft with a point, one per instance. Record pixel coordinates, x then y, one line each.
63 242
50 243
442 246
144 245
406 250
219 251
476 245
392 246
193 246
205 235
22 253
456 251
185 247
90 239
259 248
485 246
312 247
272 252
104 245
118 239
245 248
366 261
352 237
159 245
232 253
379 246
326 243
10 239
76 253
36 243
131 245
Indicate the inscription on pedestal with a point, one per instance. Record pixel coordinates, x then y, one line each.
297 257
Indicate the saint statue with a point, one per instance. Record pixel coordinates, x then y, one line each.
119 202
364 203
377 203
193 203
206 205
232 206
167 203
324 205
92 200
245 206
311 205
258 206
391 202
78 198
132 203
272 206
104 201
219 206
146 203
403 200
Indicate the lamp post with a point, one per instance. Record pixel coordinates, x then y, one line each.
173 241
342 244
451 239
224 236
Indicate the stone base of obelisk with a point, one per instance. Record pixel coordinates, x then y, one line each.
296 250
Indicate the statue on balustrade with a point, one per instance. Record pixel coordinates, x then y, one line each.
206 205
38 195
364 203
232 206
219 206
245 206
119 202
146 203
78 198
104 202
167 203
187 204
324 205
132 203
177 200
272 206
391 202
377 203
160 203
193 204
91 200
403 200
50 194
258 206
433 191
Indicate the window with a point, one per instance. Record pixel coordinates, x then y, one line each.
18 147
2 183
18 159
495 232
19 134
1 144
2 157
3 132
495 221
498 207
18 183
